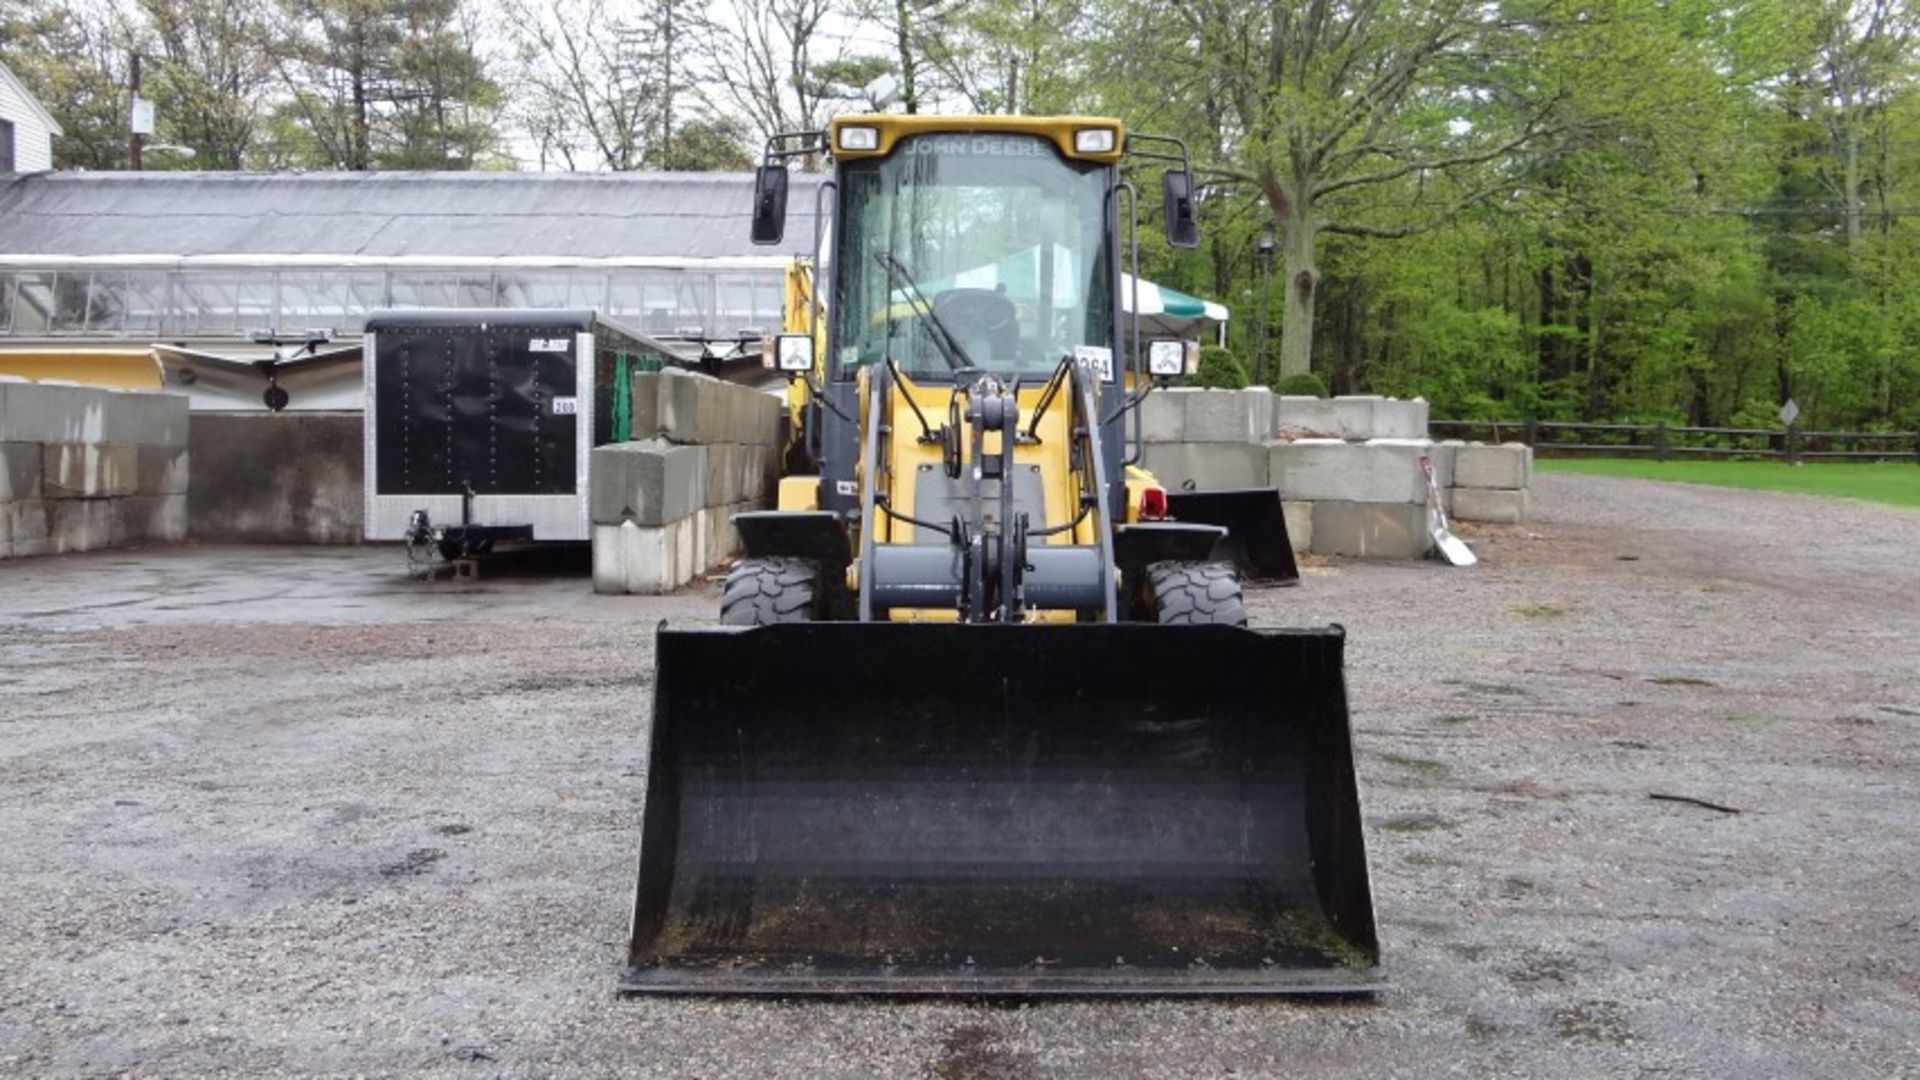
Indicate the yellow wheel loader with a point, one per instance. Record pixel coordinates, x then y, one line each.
983 716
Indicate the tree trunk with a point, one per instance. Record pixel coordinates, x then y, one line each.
1850 184
1300 284
903 41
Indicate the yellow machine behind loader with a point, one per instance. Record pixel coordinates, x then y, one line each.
984 715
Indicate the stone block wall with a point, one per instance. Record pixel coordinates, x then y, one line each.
83 468
278 478
1348 468
1489 483
703 451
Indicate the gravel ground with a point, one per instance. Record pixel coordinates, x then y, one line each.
290 811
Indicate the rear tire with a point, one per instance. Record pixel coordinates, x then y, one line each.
1196 594
762 592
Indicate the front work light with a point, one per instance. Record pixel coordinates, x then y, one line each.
792 353
1170 356
859 138
1093 141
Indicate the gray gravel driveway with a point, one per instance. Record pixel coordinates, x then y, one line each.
289 811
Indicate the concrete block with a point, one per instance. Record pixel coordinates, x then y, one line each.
160 470
720 541
89 470
149 519
53 414
1304 416
744 415
645 559
1394 473
711 401
1228 415
25 521
1355 417
651 559
726 474
1497 505
1394 418
146 419
19 470
762 477
1508 466
1370 530
1315 468
80 524
277 478
645 405
695 409
1194 466
679 406
1444 455
1299 517
652 483
1377 471
1163 415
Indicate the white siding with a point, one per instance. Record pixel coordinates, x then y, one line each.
32 141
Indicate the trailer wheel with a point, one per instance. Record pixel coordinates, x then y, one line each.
761 592
1192 594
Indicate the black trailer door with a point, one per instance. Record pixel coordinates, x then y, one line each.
488 406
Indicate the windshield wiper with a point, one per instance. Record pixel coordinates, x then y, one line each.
943 339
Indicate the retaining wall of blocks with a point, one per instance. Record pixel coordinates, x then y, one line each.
1347 468
703 451
84 468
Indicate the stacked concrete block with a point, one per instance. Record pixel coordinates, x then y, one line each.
1206 440
687 407
1490 483
84 468
1211 440
1355 418
704 450
1365 530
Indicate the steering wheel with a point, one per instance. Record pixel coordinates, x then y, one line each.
981 312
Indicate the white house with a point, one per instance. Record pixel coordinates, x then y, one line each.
26 128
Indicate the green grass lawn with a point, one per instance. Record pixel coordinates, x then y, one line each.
1896 483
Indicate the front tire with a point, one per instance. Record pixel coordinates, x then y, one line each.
762 592
1196 594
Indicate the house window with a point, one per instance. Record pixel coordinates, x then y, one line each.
6 146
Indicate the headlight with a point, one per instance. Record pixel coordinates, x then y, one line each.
1093 141
793 353
1167 358
859 138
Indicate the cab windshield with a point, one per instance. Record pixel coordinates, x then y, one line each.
1000 238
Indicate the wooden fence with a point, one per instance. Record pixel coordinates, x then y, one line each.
1664 442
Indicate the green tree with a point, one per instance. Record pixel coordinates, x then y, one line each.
74 60
209 70
386 83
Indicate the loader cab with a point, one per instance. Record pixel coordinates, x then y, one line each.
998 240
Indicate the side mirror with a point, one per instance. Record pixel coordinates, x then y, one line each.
1176 187
791 354
769 204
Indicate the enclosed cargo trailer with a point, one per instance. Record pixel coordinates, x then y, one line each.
488 418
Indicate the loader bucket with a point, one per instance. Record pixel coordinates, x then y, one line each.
1256 540
954 809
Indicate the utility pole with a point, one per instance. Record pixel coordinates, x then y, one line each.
1263 250
133 104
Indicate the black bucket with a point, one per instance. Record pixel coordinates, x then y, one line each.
1256 539
1085 809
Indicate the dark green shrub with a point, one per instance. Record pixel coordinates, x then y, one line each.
1219 370
1305 384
